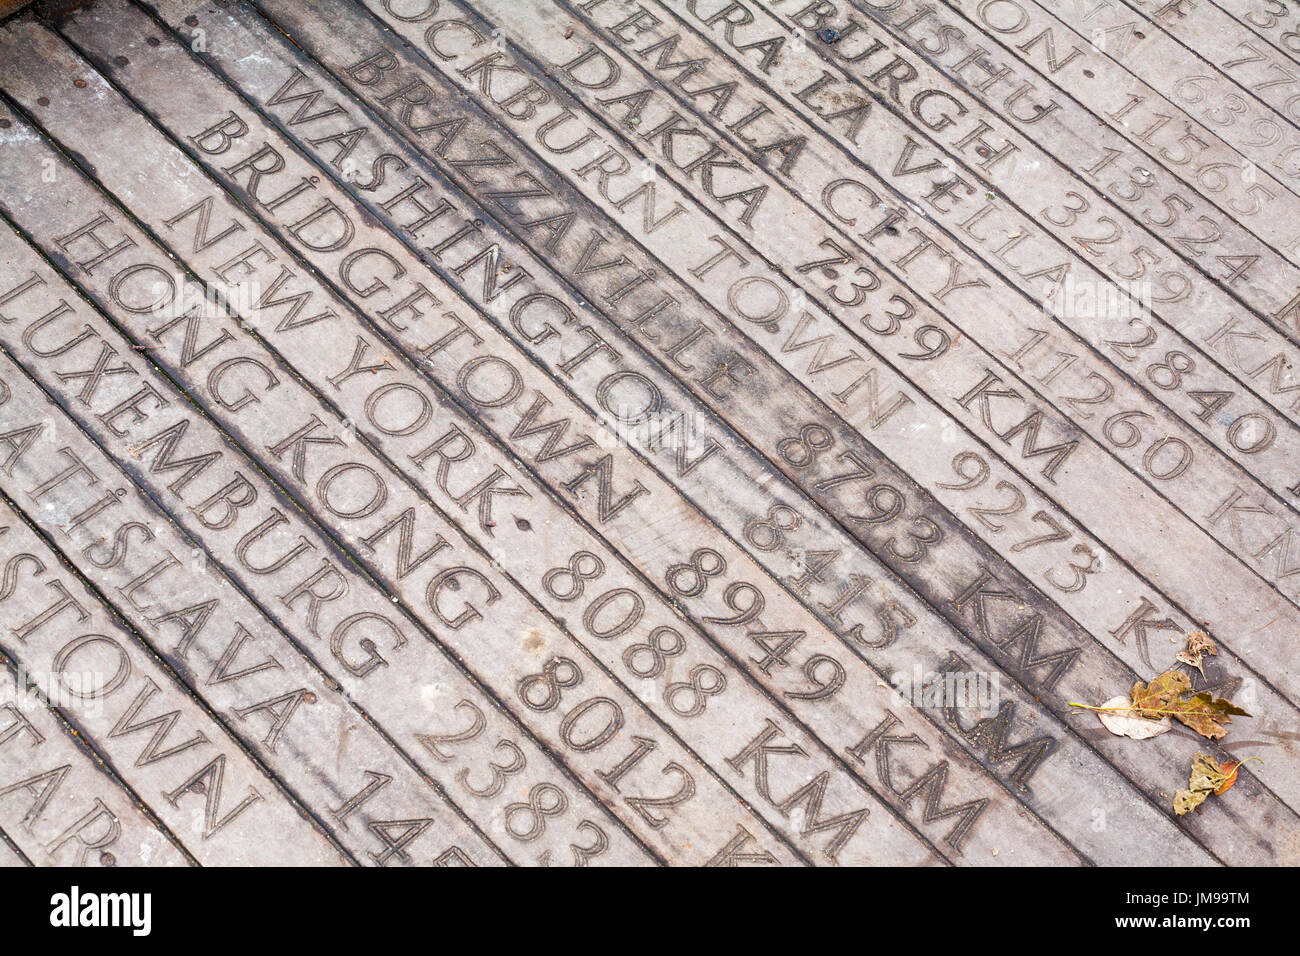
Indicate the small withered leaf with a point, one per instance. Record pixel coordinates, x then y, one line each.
1197 645
1208 777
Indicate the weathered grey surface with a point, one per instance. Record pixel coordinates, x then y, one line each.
559 433
9 856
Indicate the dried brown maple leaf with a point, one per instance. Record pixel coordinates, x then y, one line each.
1154 699
1197 645
1206 714
1203 712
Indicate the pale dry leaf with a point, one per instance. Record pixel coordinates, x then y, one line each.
1128 722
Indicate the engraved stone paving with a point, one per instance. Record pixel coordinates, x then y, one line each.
648 432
